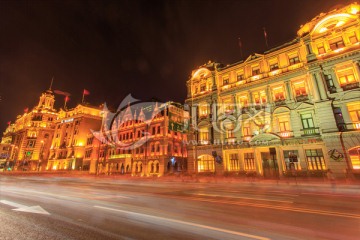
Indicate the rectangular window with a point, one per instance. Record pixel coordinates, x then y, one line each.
354 112
274 66
31 144
336 43
292 161
204 135
230 131
315 159
246 129
240 77
255 71
234 162
225 81
203 110
278 93
284 126
355 157
294 60
243 101
203 88
346 76
259 97
249 162
299 88
321 48
307 121
353 39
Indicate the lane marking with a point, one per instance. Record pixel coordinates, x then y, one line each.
293 209
185 223
24 208
260 199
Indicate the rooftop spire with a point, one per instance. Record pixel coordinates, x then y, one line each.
52 80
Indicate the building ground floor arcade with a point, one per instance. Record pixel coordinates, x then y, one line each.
136 166
271 157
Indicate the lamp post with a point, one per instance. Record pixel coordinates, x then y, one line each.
41 155
15 156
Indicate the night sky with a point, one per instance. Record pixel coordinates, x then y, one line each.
146 48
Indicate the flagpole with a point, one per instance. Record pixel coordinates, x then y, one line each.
265 35
83 97
240 45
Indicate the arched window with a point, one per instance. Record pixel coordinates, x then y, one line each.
152 168
157 167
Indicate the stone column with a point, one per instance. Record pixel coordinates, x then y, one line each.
321 86
268 95
289 94
250 97
241 161
357 68
315 90
346 116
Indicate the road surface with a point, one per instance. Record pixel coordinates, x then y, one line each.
40 207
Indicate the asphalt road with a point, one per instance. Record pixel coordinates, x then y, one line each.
88 208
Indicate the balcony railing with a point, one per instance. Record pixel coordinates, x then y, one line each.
286 134
230 140
310 131
279 102
343 127
350 86
302 98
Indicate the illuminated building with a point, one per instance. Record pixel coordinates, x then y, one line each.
30 136
295 109
141 141
72 128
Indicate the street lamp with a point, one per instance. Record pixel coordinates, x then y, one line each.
41 155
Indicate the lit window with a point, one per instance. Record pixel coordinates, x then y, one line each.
355 157
234 162
230 131
346 76
246 129
225 81
291 159
336 43
255 71
315 159
240 77
300 89
274 66
278 93
204 135
206 163
249 162
203 110
259 97
321 48
284 125
294 60
353 39
354 112
243 101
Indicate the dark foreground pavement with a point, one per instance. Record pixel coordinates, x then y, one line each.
68 207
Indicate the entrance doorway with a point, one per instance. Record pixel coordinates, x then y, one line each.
269 165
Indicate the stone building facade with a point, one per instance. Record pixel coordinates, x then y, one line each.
295 109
